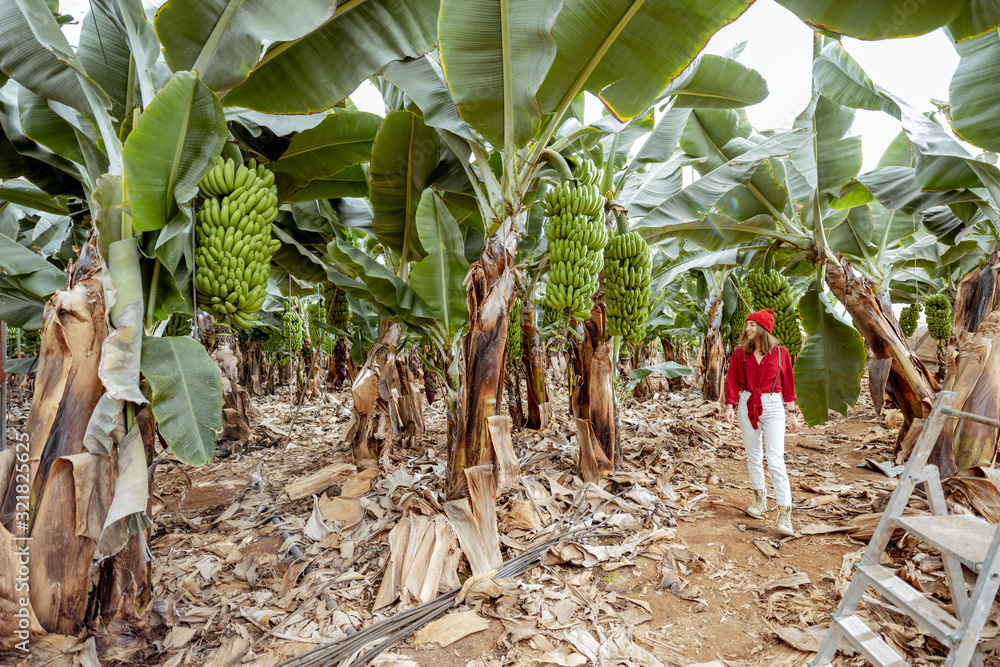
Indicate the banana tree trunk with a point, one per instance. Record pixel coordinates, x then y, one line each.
491 287
238 411
909 383
514 402
593 391
974 366
386 406
539 409
714 359
70 488
670 354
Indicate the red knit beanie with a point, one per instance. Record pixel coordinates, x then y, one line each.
764 318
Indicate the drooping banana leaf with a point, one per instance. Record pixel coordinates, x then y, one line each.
829 367
495 56
173 145
315 72
404 155
344 139
187 395
438 277
627 51
222 39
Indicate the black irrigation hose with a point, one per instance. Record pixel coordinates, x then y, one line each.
406 623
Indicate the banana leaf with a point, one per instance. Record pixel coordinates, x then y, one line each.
222 39
439 275
317 71
495 56
829 368
173 145
403 157
186 395
626 52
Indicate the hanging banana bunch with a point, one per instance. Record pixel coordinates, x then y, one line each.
179 325
771 290
739 318
234 244
514 336
939 317
908 319
627 266
340 311
291 326
575 229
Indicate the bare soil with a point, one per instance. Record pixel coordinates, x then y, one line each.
718 594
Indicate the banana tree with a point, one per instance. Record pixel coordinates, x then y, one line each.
113 132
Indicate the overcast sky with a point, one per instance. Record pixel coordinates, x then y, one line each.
779 46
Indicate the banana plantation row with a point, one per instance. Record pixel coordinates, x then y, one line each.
170 176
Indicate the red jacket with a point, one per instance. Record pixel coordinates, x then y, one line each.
746 374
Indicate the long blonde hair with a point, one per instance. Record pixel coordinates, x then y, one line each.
767 341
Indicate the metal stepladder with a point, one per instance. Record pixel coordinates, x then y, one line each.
961 539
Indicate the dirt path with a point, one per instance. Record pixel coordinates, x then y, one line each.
719 589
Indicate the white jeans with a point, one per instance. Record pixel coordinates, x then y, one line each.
772 426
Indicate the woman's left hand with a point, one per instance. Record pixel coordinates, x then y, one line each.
793 423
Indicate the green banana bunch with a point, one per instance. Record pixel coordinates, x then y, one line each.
627 266
234 243
340 313
939 316
771 290
576 234
739 318
179 325
514 336
312 321
291 325
908 319
549 316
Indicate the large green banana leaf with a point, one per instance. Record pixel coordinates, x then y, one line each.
384 286
187 395
975 91
75 142
319 70
296 260
35 53
877 19
25 194
716 82
351 182
423 81
104 52
27 271
173 145
627 51
20 310
897 188
828 370
717 136
832 158
342 140
941 162
693 202
438 277
495 56
221 39
403 157
662 141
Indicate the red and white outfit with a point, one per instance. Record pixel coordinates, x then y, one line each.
759 390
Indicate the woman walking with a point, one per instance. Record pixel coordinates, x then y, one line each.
760 382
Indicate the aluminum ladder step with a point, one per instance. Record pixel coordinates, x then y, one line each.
964 536
864 640
911 602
